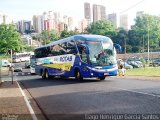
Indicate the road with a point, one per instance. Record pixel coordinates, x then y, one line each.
70 99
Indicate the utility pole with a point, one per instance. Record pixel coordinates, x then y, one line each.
11 66
148 42
143 43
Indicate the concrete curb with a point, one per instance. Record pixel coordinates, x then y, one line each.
27 103
138 77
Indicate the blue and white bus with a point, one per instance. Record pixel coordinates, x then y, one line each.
32 64
79 56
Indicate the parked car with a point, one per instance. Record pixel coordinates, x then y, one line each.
155 63
17 68
126 65
6 63
135 64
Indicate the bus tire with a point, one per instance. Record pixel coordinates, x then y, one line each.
43 75
47 75
102 78
78 75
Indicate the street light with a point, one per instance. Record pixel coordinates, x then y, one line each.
148 41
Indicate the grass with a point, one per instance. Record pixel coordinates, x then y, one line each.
6 57
148 71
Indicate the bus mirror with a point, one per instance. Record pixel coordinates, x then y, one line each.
118 48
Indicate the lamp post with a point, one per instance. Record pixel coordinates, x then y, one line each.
148 41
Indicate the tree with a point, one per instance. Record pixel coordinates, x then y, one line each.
144 25
9 38
66 33
121 38
54 35
102 27
48 36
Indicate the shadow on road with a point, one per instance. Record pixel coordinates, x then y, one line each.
39 82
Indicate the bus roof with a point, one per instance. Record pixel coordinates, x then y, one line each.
77 37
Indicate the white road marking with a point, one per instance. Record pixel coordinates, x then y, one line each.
144 93
28 104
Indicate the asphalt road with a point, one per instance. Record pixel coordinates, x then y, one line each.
70 99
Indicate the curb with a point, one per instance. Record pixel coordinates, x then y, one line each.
27 103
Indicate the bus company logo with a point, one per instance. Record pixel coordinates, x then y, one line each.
66 58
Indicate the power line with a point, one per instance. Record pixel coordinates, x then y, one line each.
132 6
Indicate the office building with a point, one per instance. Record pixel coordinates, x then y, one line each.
124 21
99 12
87 11
113 18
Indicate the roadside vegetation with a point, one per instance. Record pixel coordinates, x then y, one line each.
148 71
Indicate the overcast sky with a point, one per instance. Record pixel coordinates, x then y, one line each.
25 9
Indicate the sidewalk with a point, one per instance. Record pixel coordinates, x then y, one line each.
12 103
138 77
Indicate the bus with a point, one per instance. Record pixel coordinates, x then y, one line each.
79 56
22 57
32 64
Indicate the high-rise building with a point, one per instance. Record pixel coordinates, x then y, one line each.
83 25
124 21
99 12
5 18
70 23
139 13
87 11
24 26
113 18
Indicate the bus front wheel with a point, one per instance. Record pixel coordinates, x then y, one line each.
102 78
78 75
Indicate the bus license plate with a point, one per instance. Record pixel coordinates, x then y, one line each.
106 73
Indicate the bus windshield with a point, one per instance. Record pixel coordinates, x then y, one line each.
102 53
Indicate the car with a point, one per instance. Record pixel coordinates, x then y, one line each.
126 65
135 64
155 63
17 68
27 64
6 63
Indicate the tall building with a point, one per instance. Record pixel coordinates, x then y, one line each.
124 21
99 12
139 13
113 18
87 11
24 26
6 19
70 23
83 25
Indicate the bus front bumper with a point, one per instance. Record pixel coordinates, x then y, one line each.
94 72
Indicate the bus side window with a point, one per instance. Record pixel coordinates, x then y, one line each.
71 48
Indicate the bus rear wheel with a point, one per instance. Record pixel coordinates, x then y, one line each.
43 75
47 74
78 75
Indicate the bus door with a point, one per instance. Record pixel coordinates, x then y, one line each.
85 61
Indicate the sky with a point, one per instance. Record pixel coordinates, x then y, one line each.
25 9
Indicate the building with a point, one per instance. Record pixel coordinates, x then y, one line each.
83 25
99 12
5 19
87 12
26 39
113 18
139 13
24 26
70 23
124 21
